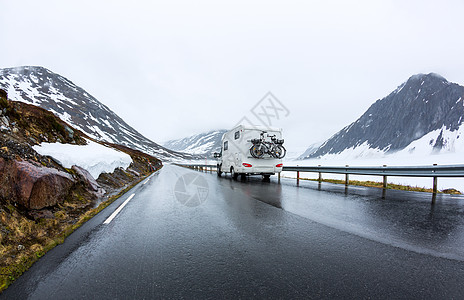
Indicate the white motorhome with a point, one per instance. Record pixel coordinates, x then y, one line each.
251 150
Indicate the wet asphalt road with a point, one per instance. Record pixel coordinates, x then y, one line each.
255 239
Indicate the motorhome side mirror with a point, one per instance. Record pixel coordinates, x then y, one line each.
217 155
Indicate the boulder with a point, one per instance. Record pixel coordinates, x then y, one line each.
89 182
33 186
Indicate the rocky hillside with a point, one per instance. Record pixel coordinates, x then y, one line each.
41 87
425 106
40 200
204 144
26 176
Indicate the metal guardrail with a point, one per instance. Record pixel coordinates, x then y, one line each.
412 171
433 171
198 167
194 166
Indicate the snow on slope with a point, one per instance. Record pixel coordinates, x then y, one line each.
93 157
204 144
448 140
55 93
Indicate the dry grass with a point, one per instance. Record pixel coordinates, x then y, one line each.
389 185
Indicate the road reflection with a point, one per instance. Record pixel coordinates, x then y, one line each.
407 220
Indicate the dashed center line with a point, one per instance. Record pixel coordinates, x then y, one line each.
114 214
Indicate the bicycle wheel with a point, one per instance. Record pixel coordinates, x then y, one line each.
257 150
278 151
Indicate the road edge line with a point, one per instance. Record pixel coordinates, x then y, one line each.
116 212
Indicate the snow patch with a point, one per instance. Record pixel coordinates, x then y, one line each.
452 143
363 150
93 157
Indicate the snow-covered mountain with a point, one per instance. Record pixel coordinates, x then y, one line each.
310 150
204 144
423 115
41 87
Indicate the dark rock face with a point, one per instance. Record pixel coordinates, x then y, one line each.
422 104
55 93
33 186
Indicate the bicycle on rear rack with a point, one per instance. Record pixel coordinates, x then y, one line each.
274 148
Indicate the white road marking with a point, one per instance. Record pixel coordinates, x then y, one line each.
146 181
113 215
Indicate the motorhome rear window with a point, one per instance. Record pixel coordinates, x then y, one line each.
237 135
226 145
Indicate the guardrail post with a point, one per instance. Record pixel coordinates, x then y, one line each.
320 176
297 177
347 176
384 179
435 183
278 176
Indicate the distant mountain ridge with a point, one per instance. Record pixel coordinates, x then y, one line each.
425 106
55 93
204 144
310 150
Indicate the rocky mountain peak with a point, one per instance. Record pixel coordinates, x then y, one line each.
424 103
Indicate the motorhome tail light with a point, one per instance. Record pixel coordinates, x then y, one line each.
279 165
247 165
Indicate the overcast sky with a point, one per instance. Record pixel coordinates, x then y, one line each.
174 68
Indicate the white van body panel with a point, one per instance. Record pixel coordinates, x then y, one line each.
235 151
